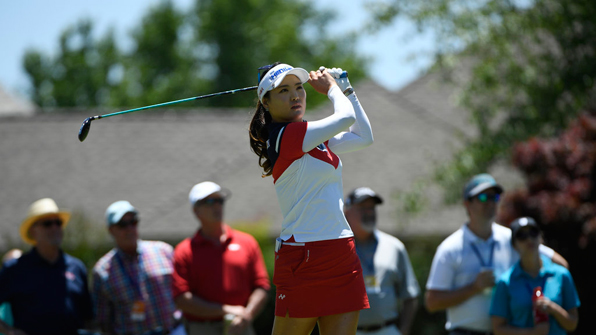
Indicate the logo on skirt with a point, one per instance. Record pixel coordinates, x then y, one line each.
281 296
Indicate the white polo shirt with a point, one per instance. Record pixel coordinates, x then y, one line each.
457 262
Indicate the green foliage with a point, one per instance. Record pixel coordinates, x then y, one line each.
532 69
216 46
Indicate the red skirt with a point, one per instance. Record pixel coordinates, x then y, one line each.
317 279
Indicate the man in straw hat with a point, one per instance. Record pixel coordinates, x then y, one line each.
47 288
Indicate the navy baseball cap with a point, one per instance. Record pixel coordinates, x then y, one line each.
360 194
480 183
520 223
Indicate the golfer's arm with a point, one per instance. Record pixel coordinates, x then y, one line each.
256 302
406 317
567 319
436 300
191 304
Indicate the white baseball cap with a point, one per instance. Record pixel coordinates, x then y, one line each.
276 75
202 190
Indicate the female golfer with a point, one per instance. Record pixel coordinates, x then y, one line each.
513 309
317 272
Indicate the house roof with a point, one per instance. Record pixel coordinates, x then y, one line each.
152 159
12 104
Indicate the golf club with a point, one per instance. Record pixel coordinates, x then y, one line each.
84 130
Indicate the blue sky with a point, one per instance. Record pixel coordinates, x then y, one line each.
399 53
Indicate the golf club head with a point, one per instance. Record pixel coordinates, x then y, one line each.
84 131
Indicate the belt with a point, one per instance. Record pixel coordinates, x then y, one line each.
373 328
463 331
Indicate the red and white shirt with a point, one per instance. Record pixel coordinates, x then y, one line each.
309 184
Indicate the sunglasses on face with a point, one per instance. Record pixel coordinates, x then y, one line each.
262 70
484 197
213 201
127 223
525 234
51 222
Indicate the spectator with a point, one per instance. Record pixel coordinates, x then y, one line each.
388 274
512 309
132 282
5 310
219 271
46 287
466 263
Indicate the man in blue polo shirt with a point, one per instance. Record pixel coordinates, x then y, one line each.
46 288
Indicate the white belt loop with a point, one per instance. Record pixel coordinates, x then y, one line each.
294 244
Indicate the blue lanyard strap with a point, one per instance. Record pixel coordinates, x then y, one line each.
490 256
131 280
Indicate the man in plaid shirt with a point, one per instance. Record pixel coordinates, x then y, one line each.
132 282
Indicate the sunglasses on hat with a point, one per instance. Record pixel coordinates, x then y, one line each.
127 223
484 197
212 201
523 235
262 70
51 222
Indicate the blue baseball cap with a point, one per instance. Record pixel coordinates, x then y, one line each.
480 183
116 211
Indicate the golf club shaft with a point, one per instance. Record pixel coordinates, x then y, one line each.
178 101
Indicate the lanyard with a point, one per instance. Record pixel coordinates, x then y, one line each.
132 281
490 256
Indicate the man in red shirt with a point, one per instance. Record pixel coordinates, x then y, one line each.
219 271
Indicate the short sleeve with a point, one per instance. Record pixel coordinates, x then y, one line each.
499 305
570 296
546 251
410 287
261 277
182 264
442 272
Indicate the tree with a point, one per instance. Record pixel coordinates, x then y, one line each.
217 46
533 67
560 194
79 74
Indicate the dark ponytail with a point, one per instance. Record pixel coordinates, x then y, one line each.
259 131
259 134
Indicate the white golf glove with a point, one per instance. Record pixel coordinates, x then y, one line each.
341 78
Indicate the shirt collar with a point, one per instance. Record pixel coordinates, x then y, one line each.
545 270
199 239
127 256
37 257
468 234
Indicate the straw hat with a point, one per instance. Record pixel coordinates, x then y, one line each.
37 210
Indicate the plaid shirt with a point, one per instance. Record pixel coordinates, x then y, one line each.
117 280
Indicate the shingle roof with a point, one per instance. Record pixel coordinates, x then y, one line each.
153 159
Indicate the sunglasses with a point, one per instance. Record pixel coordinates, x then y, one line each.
51 222
484 197
212 201
262 70
525 234
127 223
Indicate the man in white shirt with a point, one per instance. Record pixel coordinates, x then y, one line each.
467 262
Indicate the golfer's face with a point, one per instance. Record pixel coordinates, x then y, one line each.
210 210
48 231
287 102
125 232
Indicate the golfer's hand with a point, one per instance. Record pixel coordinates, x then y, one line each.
545 304
484 280
321 81
238 325
233 309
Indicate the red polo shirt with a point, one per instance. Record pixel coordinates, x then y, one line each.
227 273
